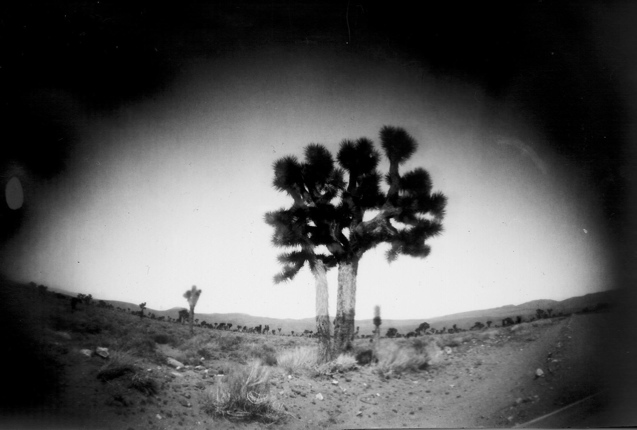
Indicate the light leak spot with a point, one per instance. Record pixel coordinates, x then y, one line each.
14 194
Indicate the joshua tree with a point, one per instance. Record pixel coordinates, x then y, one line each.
142 306
312 185
192 296
489 323
331 211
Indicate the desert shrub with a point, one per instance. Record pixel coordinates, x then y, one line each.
119 364
138 345
75 322
244 394
489 334
90 327
264 352
298 359
200 346
396 358
163 339
452 342
237 357
229 343
344 362
144 383
364 356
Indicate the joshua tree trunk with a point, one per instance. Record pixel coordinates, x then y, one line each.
192 318
322 312
346 306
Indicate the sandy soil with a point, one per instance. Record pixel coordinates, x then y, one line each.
490 383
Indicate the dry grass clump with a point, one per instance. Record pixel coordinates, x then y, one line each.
398 357
244 394
119 364
488 334
299 359
342 363
144 383
137 344
264 352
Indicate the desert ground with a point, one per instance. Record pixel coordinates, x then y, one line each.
157 376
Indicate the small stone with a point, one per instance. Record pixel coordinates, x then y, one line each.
359 413
448 350
102 352
63 335
174 363
86 352
158 416
334 382
319 396
539 373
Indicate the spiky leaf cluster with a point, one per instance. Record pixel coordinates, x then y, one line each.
308 223
398 145
192 296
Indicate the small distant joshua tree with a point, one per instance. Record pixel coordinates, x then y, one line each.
489 323
142 306
192 296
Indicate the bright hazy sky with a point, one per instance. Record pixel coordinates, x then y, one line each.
171 192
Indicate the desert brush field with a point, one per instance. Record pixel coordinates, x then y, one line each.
100 368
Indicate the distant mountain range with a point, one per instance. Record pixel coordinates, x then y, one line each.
462 320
